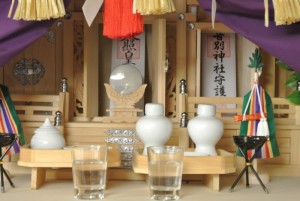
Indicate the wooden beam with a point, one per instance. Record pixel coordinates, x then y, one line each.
192 2
148 19
206 27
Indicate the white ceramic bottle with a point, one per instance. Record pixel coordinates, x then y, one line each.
47 137
154 128
205 129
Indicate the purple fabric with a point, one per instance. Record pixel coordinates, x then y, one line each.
15 36
247 19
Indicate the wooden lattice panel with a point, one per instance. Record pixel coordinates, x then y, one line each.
36 107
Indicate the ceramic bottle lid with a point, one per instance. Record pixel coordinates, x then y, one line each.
47 127
206 109
154 109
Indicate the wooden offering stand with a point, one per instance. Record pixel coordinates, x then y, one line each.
40 160
124 110
211 167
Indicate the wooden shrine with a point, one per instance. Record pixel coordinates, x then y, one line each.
82 55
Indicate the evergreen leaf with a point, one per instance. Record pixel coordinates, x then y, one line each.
256 60
294 97
282 65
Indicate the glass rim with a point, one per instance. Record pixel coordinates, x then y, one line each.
165 146
93 146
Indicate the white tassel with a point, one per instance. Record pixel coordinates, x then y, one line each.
11 8
263 128
266 3
213 12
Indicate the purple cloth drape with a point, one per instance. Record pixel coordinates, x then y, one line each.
247 19
244 17
15 36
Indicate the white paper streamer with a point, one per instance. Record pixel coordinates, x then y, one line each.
90 10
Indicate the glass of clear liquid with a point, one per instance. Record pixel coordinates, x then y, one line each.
165 164
89 171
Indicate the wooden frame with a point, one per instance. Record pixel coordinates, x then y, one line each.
34 109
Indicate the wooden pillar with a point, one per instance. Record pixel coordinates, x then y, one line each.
181 69
91 69
245 48
157 71
268 77
68 50
297 108
191 62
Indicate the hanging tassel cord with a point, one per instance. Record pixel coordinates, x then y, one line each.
286 11
248 102
213 12
36 10
119 20
153 7
259 102
251 117
266 5
11 8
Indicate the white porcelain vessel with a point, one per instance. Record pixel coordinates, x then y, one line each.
47 137
154 128
205 129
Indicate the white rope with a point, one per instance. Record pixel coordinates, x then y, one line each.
213 12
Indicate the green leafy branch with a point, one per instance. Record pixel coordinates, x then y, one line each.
256 60
291 82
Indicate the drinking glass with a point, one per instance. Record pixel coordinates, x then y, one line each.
89 171
165 165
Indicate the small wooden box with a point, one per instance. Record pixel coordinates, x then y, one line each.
212 166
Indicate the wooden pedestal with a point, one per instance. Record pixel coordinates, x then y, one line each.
40 160
211 167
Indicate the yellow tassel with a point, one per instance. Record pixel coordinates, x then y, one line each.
23 9
61 8
54 9
37 9
32 15
28 10
286 11
43 10
17 12
153 7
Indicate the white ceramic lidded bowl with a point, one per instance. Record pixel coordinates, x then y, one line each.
47 137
